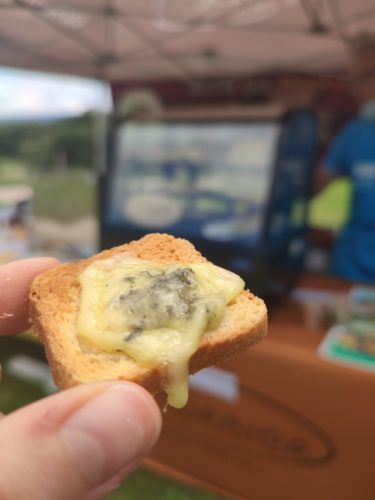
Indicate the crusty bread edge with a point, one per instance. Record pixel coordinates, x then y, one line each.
154 380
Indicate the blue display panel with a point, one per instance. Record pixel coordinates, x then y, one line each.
238 191
208 181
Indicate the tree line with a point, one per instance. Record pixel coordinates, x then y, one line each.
46 145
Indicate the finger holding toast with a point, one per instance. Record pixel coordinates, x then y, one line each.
15 280
118 328
67 445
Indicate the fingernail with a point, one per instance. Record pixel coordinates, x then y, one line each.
112 431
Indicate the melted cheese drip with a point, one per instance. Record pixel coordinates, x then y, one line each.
154 312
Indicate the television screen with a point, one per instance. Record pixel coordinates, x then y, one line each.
198 180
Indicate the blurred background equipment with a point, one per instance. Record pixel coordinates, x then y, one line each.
15 222
236 188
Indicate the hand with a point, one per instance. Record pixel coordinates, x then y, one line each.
79 443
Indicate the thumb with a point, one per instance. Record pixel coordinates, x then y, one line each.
76 443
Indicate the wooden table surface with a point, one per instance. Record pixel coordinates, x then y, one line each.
282 381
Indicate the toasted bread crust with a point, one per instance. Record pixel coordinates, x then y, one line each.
54 307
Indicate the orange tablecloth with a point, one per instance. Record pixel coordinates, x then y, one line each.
301 427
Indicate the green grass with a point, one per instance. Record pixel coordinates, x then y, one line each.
65 196
12 170
143 484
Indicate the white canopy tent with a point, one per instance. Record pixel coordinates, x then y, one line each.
181 39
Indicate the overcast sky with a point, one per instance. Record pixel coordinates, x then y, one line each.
26 94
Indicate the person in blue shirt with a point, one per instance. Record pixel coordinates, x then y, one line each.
352 155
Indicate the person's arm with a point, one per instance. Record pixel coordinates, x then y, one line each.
80 443
322 178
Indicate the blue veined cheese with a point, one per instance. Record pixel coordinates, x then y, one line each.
154 312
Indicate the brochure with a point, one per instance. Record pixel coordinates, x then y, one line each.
351 344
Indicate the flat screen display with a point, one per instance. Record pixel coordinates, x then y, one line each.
203 180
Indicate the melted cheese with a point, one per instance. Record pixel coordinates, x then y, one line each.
154 312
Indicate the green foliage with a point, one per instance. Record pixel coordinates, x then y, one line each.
16 393
49 145
143 484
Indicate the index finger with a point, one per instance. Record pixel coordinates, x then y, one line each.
15 281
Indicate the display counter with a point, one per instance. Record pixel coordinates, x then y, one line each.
277 422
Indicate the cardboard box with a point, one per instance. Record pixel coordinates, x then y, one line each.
280 423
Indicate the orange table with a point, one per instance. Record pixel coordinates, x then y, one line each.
294 427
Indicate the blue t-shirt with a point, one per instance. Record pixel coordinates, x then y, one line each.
352 154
